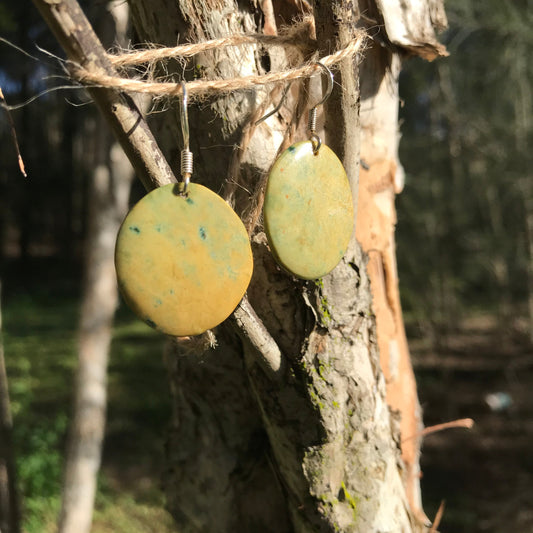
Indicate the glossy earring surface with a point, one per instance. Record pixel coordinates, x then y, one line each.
308 210
183 263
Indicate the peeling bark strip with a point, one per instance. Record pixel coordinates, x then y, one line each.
409 25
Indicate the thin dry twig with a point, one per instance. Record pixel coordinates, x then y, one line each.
467 423
438 518
13 133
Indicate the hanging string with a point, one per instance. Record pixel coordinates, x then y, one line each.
204 87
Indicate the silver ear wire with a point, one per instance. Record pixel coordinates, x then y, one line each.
311 122
277 108
186 166
329 88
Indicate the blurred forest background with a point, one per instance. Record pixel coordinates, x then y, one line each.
465 254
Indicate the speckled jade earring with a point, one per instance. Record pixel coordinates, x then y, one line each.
183 258
308 208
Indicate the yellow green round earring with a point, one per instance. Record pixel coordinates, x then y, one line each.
183 257
308 209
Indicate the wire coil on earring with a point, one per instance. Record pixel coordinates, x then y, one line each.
312 118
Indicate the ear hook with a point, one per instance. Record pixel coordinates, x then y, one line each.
286 90
311 123
277 108
186 154
329 89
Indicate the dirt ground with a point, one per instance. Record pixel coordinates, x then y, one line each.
485 474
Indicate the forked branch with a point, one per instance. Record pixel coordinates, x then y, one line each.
83 48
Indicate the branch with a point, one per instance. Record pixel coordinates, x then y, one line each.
253 330
467 423
438 518
76 36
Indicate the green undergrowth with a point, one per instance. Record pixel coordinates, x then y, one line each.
39 328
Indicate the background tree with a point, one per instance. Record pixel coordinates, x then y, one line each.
109 189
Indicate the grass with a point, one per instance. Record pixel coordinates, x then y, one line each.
40 315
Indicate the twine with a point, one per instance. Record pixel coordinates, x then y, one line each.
192 49
204 87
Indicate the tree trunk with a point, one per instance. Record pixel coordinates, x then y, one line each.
108 202
9 508
330 443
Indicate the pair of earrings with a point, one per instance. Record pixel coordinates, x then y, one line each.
183 257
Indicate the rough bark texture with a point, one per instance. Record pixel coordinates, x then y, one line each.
411 25
108 202
375 230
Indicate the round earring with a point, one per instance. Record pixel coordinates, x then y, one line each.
308 209
183 258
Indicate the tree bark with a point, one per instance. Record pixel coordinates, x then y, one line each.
411 26
323 461
381 178
108 202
